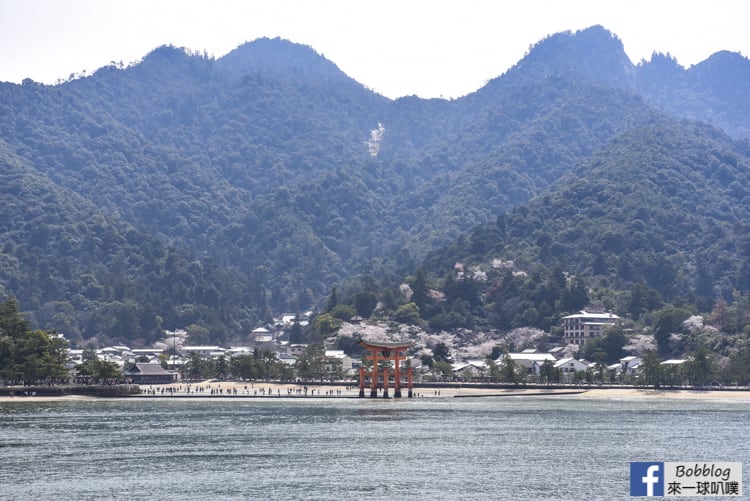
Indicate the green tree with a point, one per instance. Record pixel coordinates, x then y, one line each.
295 333
613 343
738 371
548 373
197 367
494 370
342 312
332 301
221 367
600 366
443 369
407 314
575 296
609 347
243 367
197 335
311 364
667 322
389 300
700 367
32 356
642 300
326 324
12 322
269 365
100 370
441 353
364 303
509 370
419 289
652 372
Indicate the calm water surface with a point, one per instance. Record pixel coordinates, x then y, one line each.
484 448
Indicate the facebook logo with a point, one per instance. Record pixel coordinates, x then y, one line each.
646 479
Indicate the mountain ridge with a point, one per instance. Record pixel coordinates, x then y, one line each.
282 171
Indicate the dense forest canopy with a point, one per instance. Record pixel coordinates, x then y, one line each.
185 190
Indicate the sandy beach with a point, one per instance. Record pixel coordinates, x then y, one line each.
743 395
207 389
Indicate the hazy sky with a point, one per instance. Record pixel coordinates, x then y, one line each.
429 48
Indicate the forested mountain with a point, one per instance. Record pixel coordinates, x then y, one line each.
90 274
713 91
662 208
187 190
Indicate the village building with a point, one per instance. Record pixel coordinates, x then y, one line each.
75 358
204 351
150 353
630 365
264 342
337 364
673 362
558 352
529 360
615 369
569 366
149 374
673 370
120 355
470 369
238 351
587 324
260 332
286 358
297 349
286 320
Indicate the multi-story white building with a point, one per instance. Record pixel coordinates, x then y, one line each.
587 324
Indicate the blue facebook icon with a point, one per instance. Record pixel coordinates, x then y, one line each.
646 479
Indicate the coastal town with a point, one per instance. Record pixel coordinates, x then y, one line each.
363 358
174 360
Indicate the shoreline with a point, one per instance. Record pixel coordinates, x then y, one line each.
212 389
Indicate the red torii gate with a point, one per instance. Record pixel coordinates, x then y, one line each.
384 352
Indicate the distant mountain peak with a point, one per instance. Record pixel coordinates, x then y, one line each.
594 53
281 57
167 63
165 54
721 61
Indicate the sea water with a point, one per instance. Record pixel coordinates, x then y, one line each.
429 448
